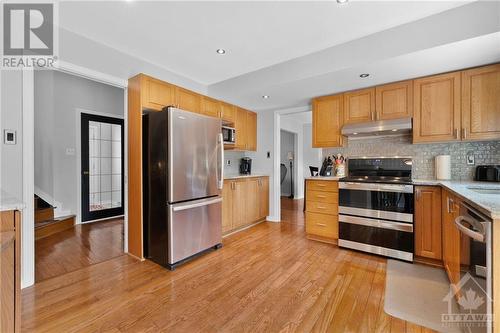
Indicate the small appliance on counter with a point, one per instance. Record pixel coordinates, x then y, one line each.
487 173
246 166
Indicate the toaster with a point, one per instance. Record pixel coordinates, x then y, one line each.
488 173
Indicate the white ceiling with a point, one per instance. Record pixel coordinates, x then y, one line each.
183 36
293 51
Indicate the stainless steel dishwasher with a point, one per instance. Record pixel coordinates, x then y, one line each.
476 281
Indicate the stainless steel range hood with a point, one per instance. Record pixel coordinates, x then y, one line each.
378 128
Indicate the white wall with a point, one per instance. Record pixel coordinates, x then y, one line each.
58 98
11 117
311 156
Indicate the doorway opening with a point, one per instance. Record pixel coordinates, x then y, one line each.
79 172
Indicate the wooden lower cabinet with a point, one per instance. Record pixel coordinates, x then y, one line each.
244 201
10 271
451 236
428 222
321 215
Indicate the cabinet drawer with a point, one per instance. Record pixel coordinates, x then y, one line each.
324 208
326 186
322 225
325 197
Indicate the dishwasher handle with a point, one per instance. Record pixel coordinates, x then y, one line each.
477 235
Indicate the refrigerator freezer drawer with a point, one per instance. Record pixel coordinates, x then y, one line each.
193 226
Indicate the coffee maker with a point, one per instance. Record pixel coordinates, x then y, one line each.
245 166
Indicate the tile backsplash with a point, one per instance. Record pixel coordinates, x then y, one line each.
485 152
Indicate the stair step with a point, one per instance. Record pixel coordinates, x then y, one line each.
50 227
44 214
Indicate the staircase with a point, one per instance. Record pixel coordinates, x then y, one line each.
45 222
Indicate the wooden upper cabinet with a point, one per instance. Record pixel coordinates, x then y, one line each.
428 222
156 94
187 100
228 112
210 107
327 117
436 108
359 106
241 129
394 100
481 103
251 131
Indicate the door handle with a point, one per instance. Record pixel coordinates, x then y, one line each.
85 173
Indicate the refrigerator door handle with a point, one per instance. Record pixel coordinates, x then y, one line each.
200 203
220 167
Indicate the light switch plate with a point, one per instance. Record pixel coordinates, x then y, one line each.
228 162
470 158
9 137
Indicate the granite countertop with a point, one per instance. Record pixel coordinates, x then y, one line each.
487 203
238 176
9 202
332 178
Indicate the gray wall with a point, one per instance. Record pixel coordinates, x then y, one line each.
311 156
287 145
234 157
423 154
57 97
11 117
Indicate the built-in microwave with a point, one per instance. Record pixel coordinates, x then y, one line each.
229 135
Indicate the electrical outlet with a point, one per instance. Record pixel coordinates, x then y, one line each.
470 158
228 162
70 151
268 154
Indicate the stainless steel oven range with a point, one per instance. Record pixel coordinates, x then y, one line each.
376 207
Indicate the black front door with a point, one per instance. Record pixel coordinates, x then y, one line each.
102 167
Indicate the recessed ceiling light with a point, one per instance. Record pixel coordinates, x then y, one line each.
355 133
364 75
342 1
265 96
221 51
394 130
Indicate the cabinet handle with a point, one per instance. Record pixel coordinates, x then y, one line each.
320 196
417 195
457 133
450 203
321 224
320 185
464 133
321 207
372 115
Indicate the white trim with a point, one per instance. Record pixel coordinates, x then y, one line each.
90 74
78 153
125 170
28 213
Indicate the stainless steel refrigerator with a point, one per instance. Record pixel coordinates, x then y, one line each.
183 154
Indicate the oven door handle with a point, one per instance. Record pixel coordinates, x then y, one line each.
399 188
477 235
399 226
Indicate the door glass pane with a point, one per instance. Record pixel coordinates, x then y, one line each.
105 166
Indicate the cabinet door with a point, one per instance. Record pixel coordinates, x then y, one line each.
156 94
239 203
239 125
264 197
228 112
227 207
327 117
187 100
481 103
436 108
394 100
252 200
428 222
210 107
359 106
251 131
451 237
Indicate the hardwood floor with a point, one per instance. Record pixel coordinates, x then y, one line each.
268 278
292 211
78 247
